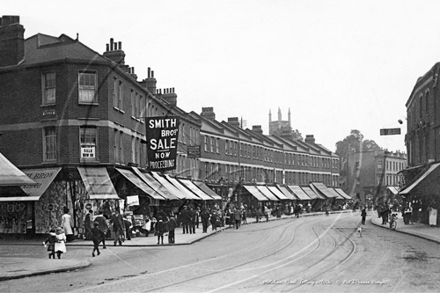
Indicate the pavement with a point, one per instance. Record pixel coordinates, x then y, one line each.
27 263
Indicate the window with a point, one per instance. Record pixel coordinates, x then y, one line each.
87 87
50 144
379 164
212 144
116 146
48 84
133 104
206 143
217 146
87 138
226 147
121 147
142 114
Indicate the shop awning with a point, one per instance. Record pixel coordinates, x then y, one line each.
140 184
195 189
97 182
328 193
287 193
165 183
267 193
43 177
255 192
277 193
296 190
19 198
310 193
342 193
317 192
428 181
393 189
155 185
10 175
187 193
207 190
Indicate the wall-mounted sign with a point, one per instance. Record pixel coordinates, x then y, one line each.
389 131
87 152
193 151
162 136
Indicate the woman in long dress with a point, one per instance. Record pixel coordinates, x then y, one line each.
432 217
66 224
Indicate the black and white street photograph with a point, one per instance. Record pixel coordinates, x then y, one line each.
219 146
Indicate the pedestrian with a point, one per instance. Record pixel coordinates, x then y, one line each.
364 216
118 227
237 217
160 229
88 224
60 244
432 216
204 215
267 213
128 226
197 217
50 243
97 235
171 229
66 224
243 215
192 221
102 225
213 220
407 214
184 219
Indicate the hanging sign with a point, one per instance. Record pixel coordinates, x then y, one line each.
162 138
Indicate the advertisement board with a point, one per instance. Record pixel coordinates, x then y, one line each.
162 140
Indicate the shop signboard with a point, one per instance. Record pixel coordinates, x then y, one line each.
162 139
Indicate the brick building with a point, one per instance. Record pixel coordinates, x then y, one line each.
74 120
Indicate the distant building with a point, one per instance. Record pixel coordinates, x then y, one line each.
374 175
278 124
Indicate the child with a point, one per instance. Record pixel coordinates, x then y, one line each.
51 239
97 236
60 244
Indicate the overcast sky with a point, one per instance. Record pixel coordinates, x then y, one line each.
338 65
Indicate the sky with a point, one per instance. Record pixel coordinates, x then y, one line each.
338 65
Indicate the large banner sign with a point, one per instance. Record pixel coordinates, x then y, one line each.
162 138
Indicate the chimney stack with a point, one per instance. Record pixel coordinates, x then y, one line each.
170 96
257 129
208 113
150 82
310 139
11 40
114 52
234 121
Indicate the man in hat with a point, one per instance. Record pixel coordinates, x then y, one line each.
184 219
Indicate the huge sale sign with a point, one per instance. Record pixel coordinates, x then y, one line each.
162 139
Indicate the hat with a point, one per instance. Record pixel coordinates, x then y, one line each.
95 223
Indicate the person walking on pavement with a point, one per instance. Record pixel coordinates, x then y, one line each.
171 229
213 220
184 219
60 244
192 221
160 229
204 215
128 226
88 224
364 216
50 243
97 236
118 226
102 225
66 224
237 217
